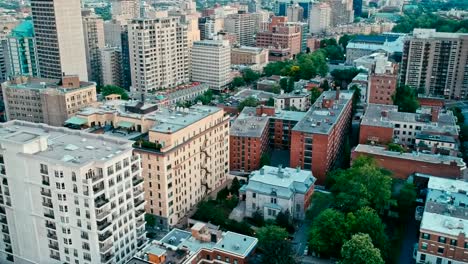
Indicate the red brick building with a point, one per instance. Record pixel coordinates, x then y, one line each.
431 101
382 87
280 36
403 165
258 130
317 141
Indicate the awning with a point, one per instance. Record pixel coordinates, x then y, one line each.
125 124
76 121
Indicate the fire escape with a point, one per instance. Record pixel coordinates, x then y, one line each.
204 167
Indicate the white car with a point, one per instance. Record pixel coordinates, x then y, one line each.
419 213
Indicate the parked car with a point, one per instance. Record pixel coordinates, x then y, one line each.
418 214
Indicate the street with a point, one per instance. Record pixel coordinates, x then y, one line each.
411 237
300 238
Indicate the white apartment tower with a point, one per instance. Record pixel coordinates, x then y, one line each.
125 9
159 53
93 27
320 18
244 26
111 63
68 196
295 13
59 36
211 63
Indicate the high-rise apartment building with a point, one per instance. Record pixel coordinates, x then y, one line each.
68 196
49 101
281 35
60 41
320 18
244 26
295 13
281 7
434 63
111 59
186 158
93 28
123 10
165 62
211 63
22 50
342 12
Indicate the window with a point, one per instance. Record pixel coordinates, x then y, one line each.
439 261
227 260
426 236
424 245
453 242
442 239
273 200
254 195
254 206
218 257
440 250
466 244
423 257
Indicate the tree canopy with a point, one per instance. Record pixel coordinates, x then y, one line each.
328 233
343 77
112 89
249 101
423 19
314 94
305 66
237 82
250 75
205 98
273 243
359 250
406 99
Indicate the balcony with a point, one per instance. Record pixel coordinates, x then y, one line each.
52 246
107 257
101 215
46 182
98 188
138 192
105 236
9 250
46 193
50 225
141 242
137 180
100 202
51 235
2 210
103 225
139 202
47 204
7 240
43 171
140 232
140 223
5 230
3 220
139 212
103 248
49 215
98 177
55 256
3 171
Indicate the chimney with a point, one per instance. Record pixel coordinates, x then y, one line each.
337 97
435 113
384 113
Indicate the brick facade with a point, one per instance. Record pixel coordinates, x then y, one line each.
378 135
381 88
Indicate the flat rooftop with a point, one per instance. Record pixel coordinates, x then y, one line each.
440 138
237 244
285 181
63 145
387 115
257 94
248 124
34 83
446 209
319 120
416 156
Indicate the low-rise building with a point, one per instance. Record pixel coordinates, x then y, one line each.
382 124
204 243
271 190
403 164
296 100
444 223
255 58
364 45
319 138
48 101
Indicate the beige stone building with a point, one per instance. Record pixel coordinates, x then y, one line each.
244 26
255 58
48 101
165 63
188 159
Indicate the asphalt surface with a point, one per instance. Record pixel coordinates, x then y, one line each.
300 238
411 237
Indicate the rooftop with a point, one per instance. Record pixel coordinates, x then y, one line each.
24 29
375 39
257 94
25 82
416 156
440 138
283 181
237 244
426 33
295 93
446 209
248 49
248 124
62 145
321 120
387 115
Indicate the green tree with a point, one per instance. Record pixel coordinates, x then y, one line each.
257 218
406 198
360 250
344 40
270 102
104 12
284 84
273 243
314 95
250 76
356 96
328 233
237 82
265 160
325 85
364 184
112 89
276 89
458 114
334 52
406 99
290 86
150 219
343 77
395 147
235 186
249 101
205 98
367 221
283 219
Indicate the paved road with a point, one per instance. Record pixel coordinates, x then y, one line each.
411 237
300 238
